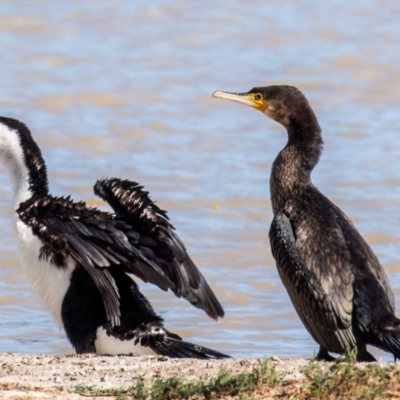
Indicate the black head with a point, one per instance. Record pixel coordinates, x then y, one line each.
284 104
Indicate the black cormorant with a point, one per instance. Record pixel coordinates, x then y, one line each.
336 283
82 261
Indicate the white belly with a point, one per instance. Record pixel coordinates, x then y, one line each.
110 345
49 281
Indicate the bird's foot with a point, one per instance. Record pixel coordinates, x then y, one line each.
365 356
323 355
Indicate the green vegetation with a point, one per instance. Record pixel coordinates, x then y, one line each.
138 391
225 384
345 379
342 379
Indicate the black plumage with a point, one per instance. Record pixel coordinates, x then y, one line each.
100 252
83 312
94 239
335 282
133 206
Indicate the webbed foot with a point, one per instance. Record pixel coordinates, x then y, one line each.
365 356
323 355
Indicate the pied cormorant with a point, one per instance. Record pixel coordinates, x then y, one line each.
81 260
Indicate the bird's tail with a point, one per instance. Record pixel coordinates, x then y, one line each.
173 346
389 336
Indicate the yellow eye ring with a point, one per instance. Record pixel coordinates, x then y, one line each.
258 97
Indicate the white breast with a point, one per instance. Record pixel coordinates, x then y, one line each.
49 281
112 346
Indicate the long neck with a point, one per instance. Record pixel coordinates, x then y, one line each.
21 180
24 163
36 167
291 170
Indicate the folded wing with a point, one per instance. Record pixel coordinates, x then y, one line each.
322 299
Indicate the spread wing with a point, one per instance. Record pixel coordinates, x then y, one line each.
95 240
318 279
133 206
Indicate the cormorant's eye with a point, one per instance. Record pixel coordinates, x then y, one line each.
258 97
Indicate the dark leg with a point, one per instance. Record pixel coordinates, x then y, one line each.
364 356
323 355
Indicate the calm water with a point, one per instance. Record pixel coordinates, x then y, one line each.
124 89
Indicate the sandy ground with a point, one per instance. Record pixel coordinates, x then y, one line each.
54 376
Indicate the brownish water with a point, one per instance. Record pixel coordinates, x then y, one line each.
124 88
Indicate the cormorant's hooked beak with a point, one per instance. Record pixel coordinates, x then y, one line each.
254 100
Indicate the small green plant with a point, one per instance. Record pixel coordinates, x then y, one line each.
345 379
225 384
137 392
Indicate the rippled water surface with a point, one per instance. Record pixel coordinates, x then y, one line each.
124 89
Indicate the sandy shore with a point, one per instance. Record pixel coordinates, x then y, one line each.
55 376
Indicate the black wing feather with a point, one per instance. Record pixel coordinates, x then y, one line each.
133 205
95 240
165 343
326 321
